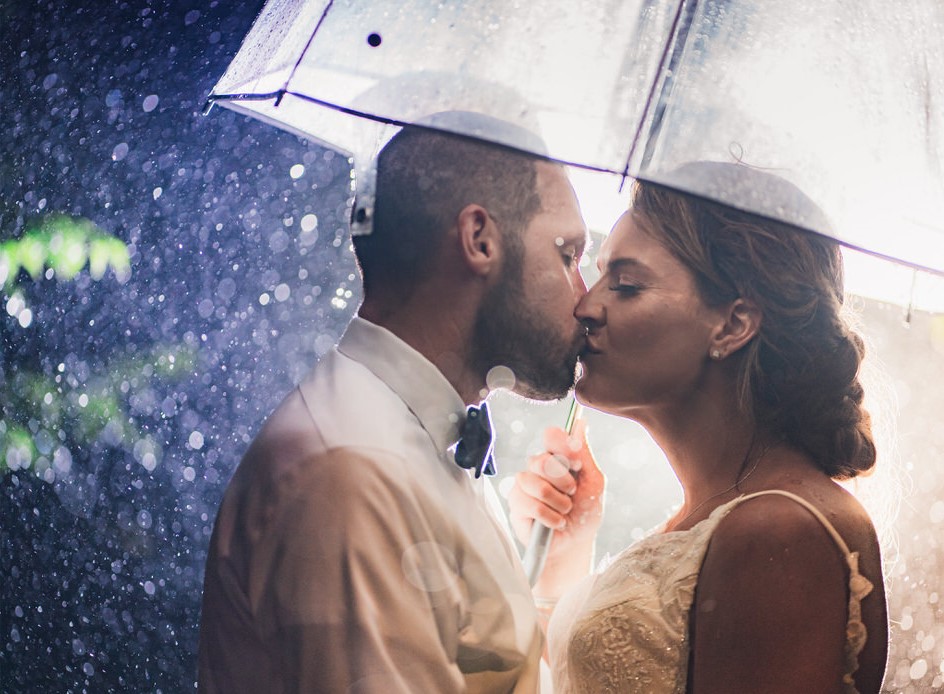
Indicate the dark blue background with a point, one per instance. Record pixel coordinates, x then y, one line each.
102 569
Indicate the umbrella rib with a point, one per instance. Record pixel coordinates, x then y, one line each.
248 96
652 104
301 56
913 265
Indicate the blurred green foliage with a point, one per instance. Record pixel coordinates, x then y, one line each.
44 418
42 413
64 245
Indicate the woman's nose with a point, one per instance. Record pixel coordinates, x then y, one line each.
589 309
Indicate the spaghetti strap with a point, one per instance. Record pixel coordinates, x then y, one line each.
859 586
809 507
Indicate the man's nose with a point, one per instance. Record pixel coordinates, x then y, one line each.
589 309
580 286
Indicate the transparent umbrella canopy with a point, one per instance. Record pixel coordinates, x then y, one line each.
843 99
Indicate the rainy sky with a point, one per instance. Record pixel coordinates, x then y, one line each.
134 395
141 392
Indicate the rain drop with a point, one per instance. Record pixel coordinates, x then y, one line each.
196 440
297 171
62 460
150 103
205 308
120 151
309 222
937 511
149 462
278 241
144 519
226 288
505 486
15 304
500 377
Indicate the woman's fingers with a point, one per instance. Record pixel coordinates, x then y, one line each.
544 492
561 488
533 498
556 470
572 446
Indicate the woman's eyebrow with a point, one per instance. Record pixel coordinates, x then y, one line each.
616 264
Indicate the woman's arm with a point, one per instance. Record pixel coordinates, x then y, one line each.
771 604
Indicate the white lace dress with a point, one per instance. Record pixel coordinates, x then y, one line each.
625 629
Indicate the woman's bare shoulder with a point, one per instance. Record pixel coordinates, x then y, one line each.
783 578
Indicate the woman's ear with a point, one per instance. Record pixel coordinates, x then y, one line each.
478 239
741 323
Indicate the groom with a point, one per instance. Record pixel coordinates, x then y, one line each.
351 552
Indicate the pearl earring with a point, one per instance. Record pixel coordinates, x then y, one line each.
716 354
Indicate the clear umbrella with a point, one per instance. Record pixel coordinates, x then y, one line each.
842 98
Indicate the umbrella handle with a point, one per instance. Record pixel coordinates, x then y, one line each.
535 554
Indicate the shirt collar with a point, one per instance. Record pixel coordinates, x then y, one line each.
410 375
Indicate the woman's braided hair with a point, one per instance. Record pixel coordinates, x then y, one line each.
799 376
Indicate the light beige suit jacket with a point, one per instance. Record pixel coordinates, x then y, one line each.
351 554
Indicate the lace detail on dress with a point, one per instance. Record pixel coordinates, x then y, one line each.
630 632
859 587
625 629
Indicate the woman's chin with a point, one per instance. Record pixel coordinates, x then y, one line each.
583 390
588 394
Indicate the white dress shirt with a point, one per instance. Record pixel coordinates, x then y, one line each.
351 554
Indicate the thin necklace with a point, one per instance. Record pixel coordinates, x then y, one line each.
736 484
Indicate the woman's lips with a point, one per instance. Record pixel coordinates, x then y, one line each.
590 348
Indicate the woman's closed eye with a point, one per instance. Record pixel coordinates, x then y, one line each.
625 287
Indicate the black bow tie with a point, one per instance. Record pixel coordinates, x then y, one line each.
474 450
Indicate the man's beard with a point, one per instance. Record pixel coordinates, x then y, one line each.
508 333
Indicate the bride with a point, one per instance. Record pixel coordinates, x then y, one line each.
721 333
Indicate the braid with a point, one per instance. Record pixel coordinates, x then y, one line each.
799 376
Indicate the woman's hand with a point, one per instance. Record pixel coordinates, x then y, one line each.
561 488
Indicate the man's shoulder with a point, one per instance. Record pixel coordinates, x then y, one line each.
344 429
351 406
339 403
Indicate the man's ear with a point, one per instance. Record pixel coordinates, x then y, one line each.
478 239
740 323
